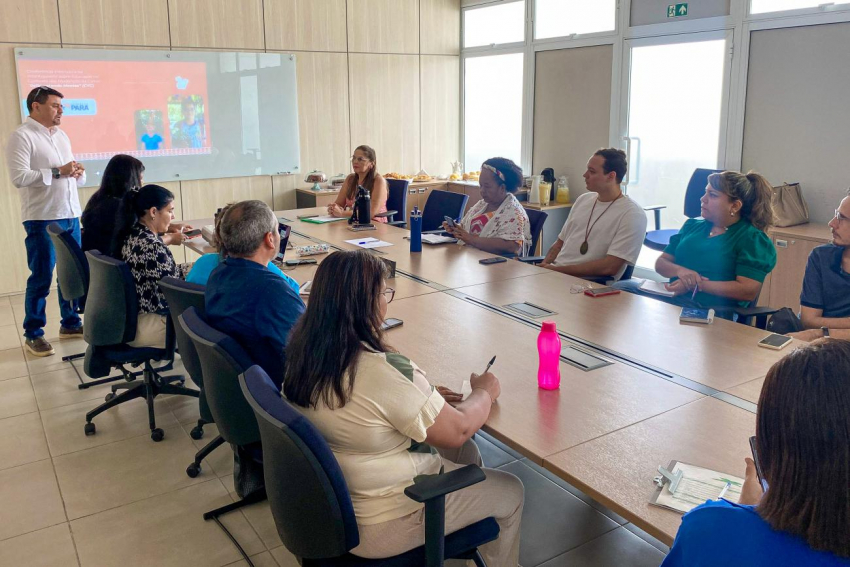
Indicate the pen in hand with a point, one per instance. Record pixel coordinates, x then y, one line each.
489 364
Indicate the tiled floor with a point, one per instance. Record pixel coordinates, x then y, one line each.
118 498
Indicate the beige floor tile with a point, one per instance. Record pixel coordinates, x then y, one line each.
220 461
50 547
7 315
22 441
260 516
264 559
16 397
284 558
164 531
29 499
64 425
59 388
9 337
113 475
42 364
185 408
12 364
16 299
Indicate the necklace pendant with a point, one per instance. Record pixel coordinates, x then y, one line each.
583 248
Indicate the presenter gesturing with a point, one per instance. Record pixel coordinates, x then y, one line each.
43 169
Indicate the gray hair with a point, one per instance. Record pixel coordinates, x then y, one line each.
244 227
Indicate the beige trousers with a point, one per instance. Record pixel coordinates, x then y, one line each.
500 496
150 331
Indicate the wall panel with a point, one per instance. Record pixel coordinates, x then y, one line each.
384 93
225 24
439 27
383 26
29 21
201 198
283 189
305 25
440 113
114 22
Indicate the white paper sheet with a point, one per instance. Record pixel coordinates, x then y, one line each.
369 242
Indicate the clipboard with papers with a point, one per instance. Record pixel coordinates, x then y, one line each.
682 487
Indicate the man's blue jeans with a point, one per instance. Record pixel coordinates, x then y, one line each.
41 258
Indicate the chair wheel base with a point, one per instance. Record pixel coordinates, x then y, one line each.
90 429
193 470
157 434
109 397
197 432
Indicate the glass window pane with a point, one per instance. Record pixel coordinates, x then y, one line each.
503 23
492 108
558 18
762 6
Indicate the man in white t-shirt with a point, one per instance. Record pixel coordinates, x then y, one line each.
605 229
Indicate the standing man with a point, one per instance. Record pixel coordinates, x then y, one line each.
605 230
43 169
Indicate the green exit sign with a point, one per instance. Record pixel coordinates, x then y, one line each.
677 10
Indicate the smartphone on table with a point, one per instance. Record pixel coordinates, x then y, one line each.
391 323
601 291
775 342
493 260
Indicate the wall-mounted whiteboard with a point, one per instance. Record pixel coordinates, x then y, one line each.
185 114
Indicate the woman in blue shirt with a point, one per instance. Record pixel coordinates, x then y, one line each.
803 443
204 266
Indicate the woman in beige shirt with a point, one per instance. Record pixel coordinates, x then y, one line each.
384 422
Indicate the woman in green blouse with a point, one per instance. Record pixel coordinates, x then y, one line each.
721 259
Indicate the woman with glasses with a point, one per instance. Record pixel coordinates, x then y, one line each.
384 422
366 174
803 448
721 259
497 223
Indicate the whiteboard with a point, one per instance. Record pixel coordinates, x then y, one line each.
185 114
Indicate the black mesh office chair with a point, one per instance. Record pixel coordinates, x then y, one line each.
310 501
112 311
180 296
442 204
222 360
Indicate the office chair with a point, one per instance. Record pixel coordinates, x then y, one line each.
72 271
658 239
442 204
396 202
180 296
310 501
751 313
110 324
222 360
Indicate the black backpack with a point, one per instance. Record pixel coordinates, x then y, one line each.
784 321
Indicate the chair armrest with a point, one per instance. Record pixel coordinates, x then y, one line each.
439 231
754 311
655 207
385 214
531 259
433 486
399 223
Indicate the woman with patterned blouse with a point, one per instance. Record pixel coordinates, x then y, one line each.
497 223
146 214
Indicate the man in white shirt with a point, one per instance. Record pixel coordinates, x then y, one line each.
605 229
43 169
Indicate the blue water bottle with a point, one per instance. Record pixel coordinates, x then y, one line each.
415 230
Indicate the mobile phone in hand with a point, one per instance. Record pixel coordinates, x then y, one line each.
450 221
192 233
759 470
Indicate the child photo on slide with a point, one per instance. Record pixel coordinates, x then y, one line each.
149 129
186 115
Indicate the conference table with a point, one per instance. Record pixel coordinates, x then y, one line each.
662 390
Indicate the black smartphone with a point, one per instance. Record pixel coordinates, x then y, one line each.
493 260
759 470
284 230
450 221
774 342
391 324
192 233
300 261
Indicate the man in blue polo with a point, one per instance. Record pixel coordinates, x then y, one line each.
825 300
243 298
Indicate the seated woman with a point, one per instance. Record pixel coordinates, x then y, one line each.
384 422
203 266
145 213
365 173
122 173
497 223
722 259
803 445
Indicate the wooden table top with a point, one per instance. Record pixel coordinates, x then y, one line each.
617 469
720 355
450 338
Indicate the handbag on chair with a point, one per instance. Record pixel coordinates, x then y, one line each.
789 206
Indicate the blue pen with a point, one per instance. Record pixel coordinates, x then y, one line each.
694 294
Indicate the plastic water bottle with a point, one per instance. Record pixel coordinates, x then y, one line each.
549 356
415 230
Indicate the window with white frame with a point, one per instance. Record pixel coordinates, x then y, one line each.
492 108
766 6
562 18
495 24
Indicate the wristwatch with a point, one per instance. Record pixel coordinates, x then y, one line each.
56 174
825 331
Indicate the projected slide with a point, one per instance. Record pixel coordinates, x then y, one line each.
141 108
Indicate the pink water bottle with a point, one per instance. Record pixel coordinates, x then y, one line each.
549 355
